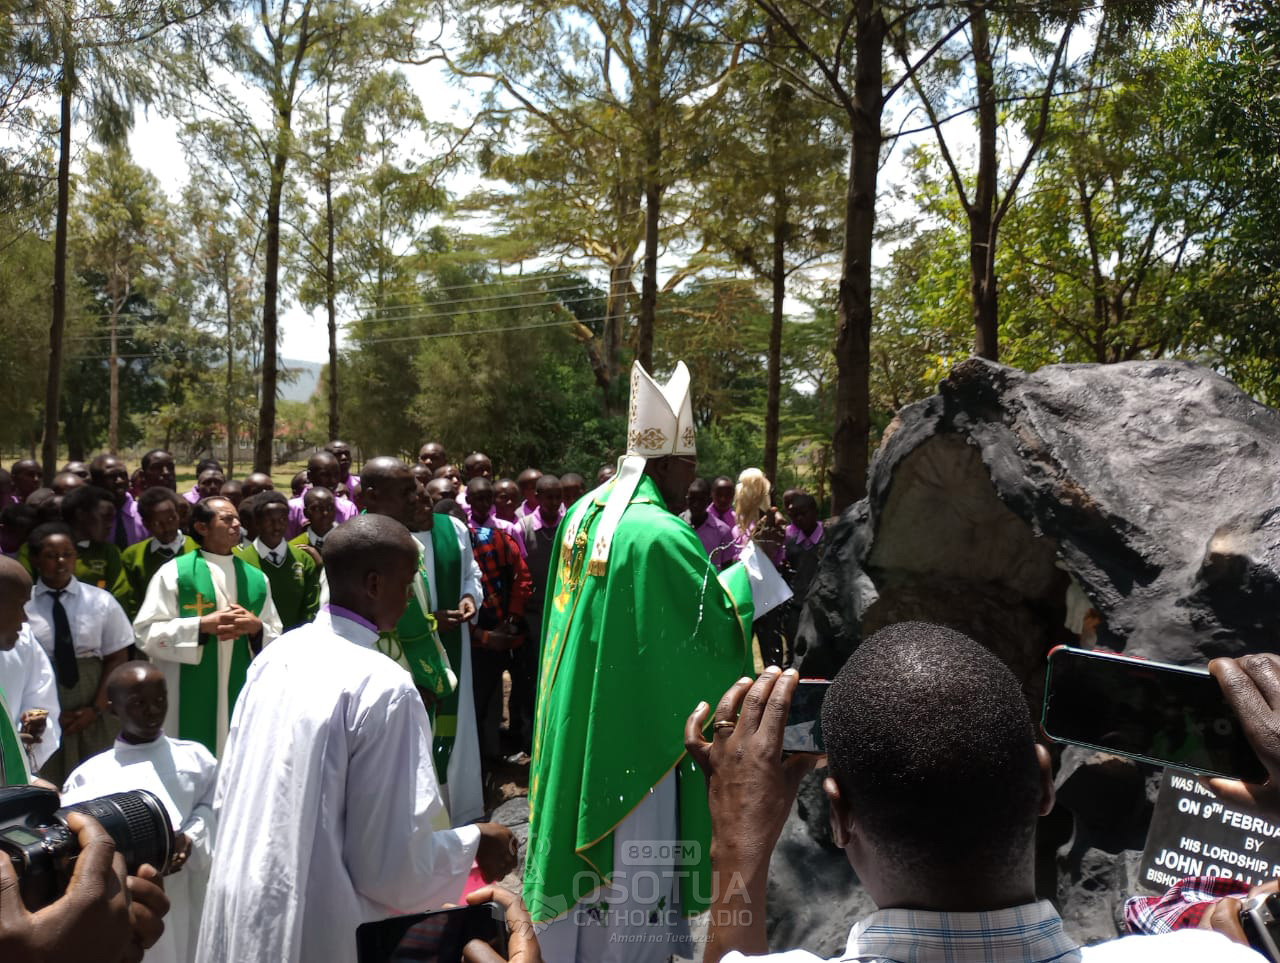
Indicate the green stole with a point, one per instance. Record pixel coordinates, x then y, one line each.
13 758
413 632
198 683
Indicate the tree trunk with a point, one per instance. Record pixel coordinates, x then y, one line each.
57 324
113 412
330 300
982 228
652 188
853 305
231 362
620 289
779 278
262 457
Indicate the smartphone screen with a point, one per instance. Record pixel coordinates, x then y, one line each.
804 721
438 936
1164 714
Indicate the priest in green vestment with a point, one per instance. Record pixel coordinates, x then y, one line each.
432 640
205 615
638 628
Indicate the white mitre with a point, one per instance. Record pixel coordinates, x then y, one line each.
659 423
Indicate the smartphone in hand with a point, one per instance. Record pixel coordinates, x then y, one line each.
803 732
438 936
1166 715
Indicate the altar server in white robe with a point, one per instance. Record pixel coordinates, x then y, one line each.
326 793
181 773
26 676
200 601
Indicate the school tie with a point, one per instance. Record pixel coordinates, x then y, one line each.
64 649
165 552
121 537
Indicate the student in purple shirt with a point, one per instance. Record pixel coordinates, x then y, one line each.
527 482
715 535
722 490
323 471
803 547
479 509
110 474
506 500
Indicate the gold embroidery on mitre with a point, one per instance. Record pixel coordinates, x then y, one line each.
649 438
689 436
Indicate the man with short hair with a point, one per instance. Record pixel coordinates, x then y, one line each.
935 783
715 536
205 615
572 487
478 465
66 481
722 490
482 514
324 471
436 650
342 451
433 455
26 477
506 500
197 491
255 482
77 468
109 473
158 469
440 488
320 507
327 807
293 574
527 482
161 513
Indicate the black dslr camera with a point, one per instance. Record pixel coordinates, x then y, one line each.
35 837
1260 919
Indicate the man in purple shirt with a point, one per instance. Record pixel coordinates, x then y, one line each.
342 451
205 464
158 470
323 471
109 473
715 535
722 500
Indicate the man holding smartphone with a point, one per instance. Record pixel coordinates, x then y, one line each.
935 784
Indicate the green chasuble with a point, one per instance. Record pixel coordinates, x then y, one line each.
198 683
626 655
295 585
413 634
140 564
13 758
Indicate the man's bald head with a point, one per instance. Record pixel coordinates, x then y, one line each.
389 488
15 589
64 481
370 562
125 677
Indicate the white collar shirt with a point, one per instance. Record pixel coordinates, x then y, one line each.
99 625
174 547
26 676
276 556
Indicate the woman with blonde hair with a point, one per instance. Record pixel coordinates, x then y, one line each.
758 520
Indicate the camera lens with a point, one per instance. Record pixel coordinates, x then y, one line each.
138 823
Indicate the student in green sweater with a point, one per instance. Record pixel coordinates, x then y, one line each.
161 515
320 509
293 574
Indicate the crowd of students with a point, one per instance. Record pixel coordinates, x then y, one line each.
106 681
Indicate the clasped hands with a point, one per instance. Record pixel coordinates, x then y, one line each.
230 623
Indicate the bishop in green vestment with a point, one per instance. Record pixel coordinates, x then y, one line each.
637 630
